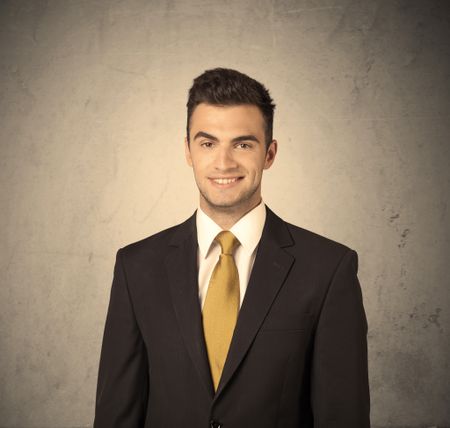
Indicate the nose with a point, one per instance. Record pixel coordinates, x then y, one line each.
225 159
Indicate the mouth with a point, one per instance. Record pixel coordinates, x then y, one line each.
225 181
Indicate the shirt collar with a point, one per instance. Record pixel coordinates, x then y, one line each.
248 229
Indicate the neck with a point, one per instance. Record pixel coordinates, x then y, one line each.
228 216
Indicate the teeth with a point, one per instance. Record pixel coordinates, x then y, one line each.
225 180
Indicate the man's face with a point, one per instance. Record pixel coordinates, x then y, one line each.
228 154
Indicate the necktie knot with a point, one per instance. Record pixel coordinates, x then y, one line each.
228 242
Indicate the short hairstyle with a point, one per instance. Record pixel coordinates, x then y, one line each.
223 86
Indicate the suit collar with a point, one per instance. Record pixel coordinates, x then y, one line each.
184 231
270 269
274 227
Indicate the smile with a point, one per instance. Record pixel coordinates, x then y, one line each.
225 183
225 180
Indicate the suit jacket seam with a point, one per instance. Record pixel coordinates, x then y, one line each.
145 391
122 264
330 283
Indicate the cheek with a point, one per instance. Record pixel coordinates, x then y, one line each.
257 166
199 167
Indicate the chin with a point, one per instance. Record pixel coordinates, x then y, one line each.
226 204
217 203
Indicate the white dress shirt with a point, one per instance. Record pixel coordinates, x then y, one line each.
248 231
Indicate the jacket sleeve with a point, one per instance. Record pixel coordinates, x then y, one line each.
339 383
122 387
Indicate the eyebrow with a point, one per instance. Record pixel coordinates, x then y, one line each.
249 137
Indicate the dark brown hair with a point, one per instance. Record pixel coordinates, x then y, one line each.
223 86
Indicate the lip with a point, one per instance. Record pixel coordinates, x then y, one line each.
227 185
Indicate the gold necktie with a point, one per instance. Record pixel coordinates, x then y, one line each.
221 307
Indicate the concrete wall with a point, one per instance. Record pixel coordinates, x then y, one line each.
92 97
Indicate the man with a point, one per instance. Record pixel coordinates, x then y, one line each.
233 318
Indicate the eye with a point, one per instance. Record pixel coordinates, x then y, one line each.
207 144
243 146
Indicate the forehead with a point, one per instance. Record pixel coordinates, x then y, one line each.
245 118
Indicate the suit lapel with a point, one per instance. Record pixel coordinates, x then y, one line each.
272 264
181 267
270 269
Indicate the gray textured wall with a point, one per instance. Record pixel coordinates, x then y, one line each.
92 97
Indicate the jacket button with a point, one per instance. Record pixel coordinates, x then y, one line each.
215 424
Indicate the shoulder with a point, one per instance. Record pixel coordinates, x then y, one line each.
315 241
312 247
320 250
158 244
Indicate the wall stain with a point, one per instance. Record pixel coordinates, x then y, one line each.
434 318
394 217
404 238
427 319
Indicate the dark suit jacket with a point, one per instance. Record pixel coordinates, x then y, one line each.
298 357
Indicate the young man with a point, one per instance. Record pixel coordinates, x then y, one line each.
233 318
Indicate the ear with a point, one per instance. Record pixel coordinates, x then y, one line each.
270 154
187 152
